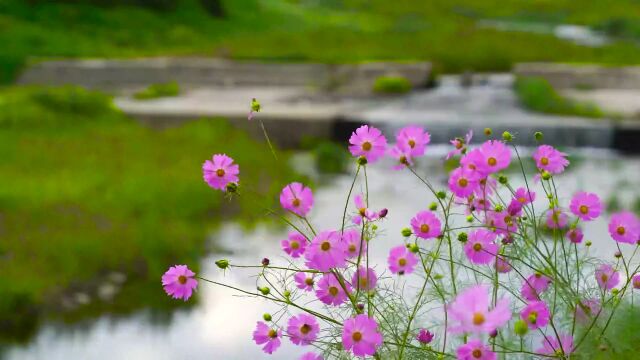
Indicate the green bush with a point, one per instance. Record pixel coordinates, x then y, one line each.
331 158
538 95
155 91
391 85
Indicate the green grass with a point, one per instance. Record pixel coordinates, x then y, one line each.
538 95
442 31
391 85
155 91
621 339
84 190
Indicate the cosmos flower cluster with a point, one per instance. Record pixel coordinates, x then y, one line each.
492 261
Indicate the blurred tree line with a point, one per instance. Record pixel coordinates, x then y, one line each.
213 7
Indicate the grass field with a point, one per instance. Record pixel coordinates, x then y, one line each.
442 31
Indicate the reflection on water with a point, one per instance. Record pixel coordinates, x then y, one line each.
220 326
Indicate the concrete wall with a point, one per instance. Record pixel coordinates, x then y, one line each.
566 76
136 73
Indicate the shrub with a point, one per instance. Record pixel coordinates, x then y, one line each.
391 85
155 91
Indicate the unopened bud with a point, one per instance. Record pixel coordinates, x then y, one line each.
286 294
374 227
618 254
362 160
520 328
442 194
538 136
433 206
383 213
546 175
232 187
506 136
264 290
499 208
463 237
502 179
222 264
414 248
488 131
266 317
406 232
265 262
470 218
588 243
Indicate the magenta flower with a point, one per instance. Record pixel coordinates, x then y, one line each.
474 349
470 312
363 212
296 198
401 260
304 281
294 245
311 356
353 240
463 181
369 142
413 139
556 219
426 225
586 311
326 251
502 265
549 159
496 156
586 206
263 334
364 279
402 156
523 196
303 329
501 222
459 144
481 247
575 235
607 277
474 160
329 290
536 314
636 282
424 336
361 336
534 285
551 346
178 282
220 171
624 227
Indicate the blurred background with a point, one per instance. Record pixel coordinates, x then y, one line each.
109 108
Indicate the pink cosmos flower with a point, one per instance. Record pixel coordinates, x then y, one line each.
364 279
624 227
549 159
474 349
413 139
220 171
523 196
586 312
424 336
474 160
575 235
402 156
360 335
470 312
353 240
363 212
369 142
496 156
556 219
459 144
486 187
463 181
536 314
326 251
311 356
551 346
263 334
178 282
636 282
607 277
426 225
481 247
329 290
502 265
514 208
304 281
295 244
303 329
296 198
586 206
401 260
502 222
534 285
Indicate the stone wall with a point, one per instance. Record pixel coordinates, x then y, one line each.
567 76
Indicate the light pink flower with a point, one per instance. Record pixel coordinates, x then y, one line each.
369 142
459 144
364 279
534 285
463 181
575 235
304 281
503 222
311 356
360 335
296 198
474 349
586 206
502 265
481 247
178 282
496 156
329 290
401 260
586 312
263 334
523 196
551 346
363 211
220 171
353 241
470 312
624 227
536 314
607 277
474 160
295 244
403 157
426 225
549 159
303 329
557 219
413 139
326 251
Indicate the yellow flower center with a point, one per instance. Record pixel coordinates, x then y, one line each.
477 353
424 228
325 246
357 336
478 319
352 248
533 317
363 282
366 146
308 281
477 246
412 143
362 211
333 291
220 172
294 245
492 161
402 261
544 161
463 182
273 334
182 279
621 230
304 329
584 209
295 202
604 277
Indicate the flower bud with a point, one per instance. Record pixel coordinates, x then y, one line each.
286 294
266 317
502 179
361 160
433 206
414 248
538 136
442 194
520 327
360 306
255 105
406 232
499 208
463 237
488 131
264 290
470 218
615 291
232 187
222 264
546 175
618 254
437 277
494 333
374 227
383 213
506 136
265 262
588 243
